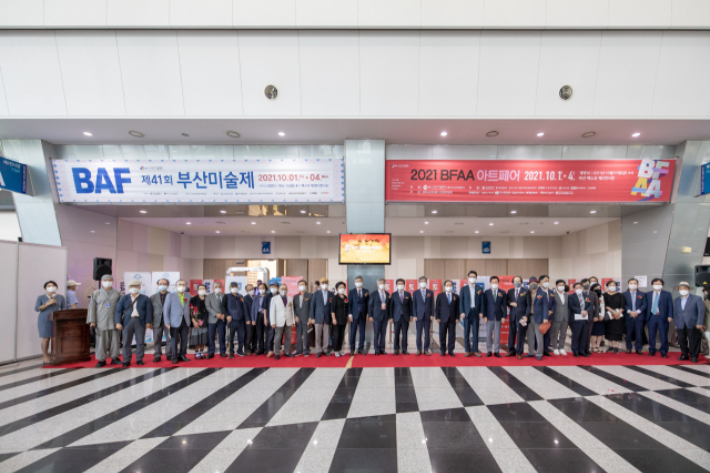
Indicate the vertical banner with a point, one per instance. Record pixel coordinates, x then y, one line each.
506 284
144 278
389 286
571 283
194 284
171 276
209 285
291 283
241 282
435 286
411 285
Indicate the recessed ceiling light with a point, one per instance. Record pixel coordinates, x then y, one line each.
93 231
635 223
426 223
216 231
108 223
188 223
281 133
655 231
513 211
144 211
223 211
421 231
491 224
443 133
476 231
588 134
636 135
137 134
273 231
492 134
532 231
303 211
592 211
88 134
540 134
328 231
233 134
434 211
317 223
253 223
557 223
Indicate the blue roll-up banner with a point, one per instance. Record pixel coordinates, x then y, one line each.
13 176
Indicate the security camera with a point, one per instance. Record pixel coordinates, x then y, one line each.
567 233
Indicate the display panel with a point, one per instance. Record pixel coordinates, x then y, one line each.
365 248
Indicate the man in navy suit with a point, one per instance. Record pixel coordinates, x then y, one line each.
379 315
551 307
689 316
236 318
357 314
321 317
518 303
580 307
496 308
537 304
400 313
423 311
659 311
447 304
635 308
133 312
472 306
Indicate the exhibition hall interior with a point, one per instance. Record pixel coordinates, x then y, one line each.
324 236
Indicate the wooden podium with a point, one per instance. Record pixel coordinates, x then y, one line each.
70 337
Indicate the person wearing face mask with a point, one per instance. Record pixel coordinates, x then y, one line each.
321 317
472 306
216 322
688 315
101 313
72 300
579 308
47 303
134 312
379 316
401 312
176 312
282 319
339 317
357 315
560 319
496 307
537 302
302 311
236 318
544 282
161 325
268 329
597 320
258 311
518 305
200 317
250 328
594 298
423 311
614 307
635 309
447 306
659 311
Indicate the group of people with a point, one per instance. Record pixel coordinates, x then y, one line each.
263 318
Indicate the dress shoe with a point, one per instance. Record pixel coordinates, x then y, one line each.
405 352
428 353
576 355
510 353
352 353
496 354
652 354
126 364
452 354
443 354
175 362
307 355
396 352
240 354
384 352
209 357
520 357
664 355
683 358
418 353
156 359
529 356
628 351
694 359
277 357
100 364
360 352
140 363
546 354
183 358
467 354
116 361
586 355
539 358
269 355
639 353
223 355
231 356
318 355
476 354
377 354
489 354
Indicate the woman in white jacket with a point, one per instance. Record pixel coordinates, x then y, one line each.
282 318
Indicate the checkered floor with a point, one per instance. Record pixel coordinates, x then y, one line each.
606 418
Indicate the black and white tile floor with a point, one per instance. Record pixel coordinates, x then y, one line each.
514 419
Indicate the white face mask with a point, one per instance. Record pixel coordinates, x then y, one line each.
134 290
107 284
51 289
633 287
358 284
218 290
400 287
612 289
302 288
561 288
683 292
274 290
657 287
234 290
579 291
422 285
251 293
283 292
341 290
324 286
546 285
494 286
181 289
202 292
381 287
472 280
448 289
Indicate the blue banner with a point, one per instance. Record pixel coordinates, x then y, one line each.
705 179
13 176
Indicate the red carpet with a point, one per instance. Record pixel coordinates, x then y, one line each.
371 361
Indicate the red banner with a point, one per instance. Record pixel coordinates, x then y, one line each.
291 284
621 180
411 285
389 286
505 284
435 286
194 284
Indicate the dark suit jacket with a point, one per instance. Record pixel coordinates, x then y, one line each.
445 312
551 301
357 306
576 308
233 306
321 311
302 311
399 310
267 305
495 308
537 304
465 301
517 312
692 315
640 304
595 303
423 307
376 311
124 310
665 305
248 301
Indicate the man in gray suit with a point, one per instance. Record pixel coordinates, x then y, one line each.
158 302
176 312
560 319
100 315
216 321
688 315
302 311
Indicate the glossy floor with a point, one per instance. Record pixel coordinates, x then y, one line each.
512 419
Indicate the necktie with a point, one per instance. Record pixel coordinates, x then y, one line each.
516 294
449 297
654 307
359 294
495 294
581 302
401 297
633 301
325 297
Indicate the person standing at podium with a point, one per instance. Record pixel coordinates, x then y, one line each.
101 312
47 303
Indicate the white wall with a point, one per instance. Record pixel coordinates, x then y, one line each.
9 226
595 251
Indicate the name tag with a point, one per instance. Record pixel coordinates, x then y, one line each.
384 306
108 304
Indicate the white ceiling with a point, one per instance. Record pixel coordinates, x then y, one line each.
336 131
438 226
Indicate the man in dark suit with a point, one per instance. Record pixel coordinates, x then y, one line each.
659 309
586 285
133 312
302 311
359 299
236 319
400 313
496 305
268 329
635 308
379 315
472 306
250 327
321 317
518 303
689 316
447 305
537 304
423 310
579 307
551 307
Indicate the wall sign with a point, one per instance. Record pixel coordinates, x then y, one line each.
705 179
13 176
265 247
623 180
200 181
486 247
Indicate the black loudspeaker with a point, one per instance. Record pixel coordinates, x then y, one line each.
702 275
102 267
